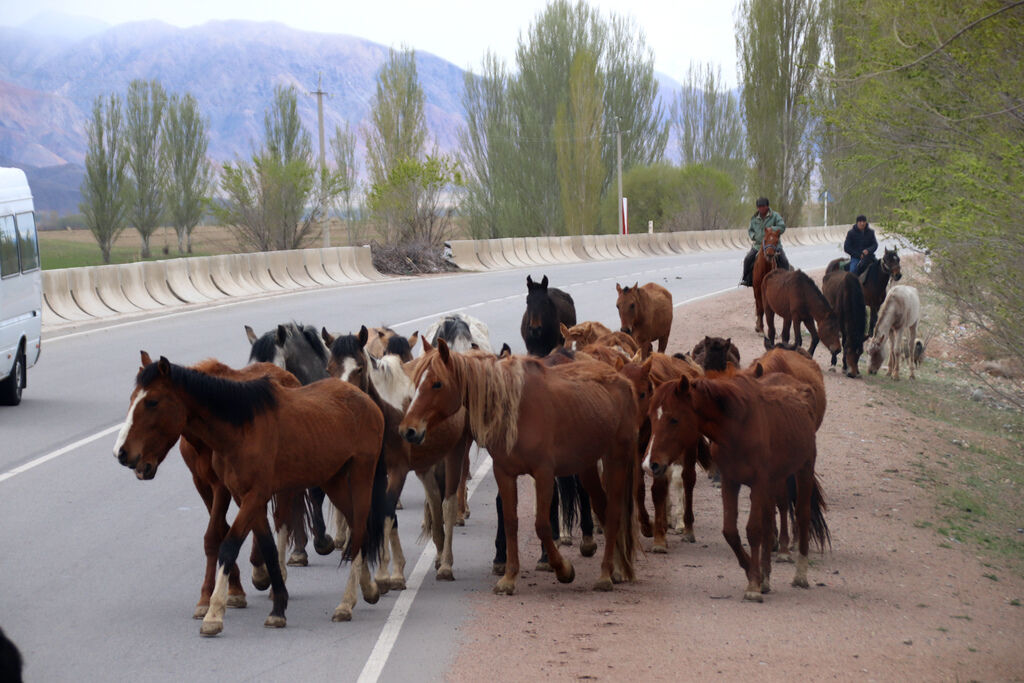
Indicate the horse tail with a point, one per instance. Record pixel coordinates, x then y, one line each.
819 531
627 542
380 509
568 500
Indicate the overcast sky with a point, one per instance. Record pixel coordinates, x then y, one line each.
679 31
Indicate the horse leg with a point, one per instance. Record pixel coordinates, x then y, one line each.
381 576
659 494
590 479
662 344
769 318
813 331
588 546
676 497
397 580
782 505
500 551
615 478
786 324
282 532
544 562
560 527
758 308
730 512
354 503
641 481
767 522
544 485
343 612
252 507
297 527
323 544
509 499
217 499
689 481
894 361
804 491
463 511
450 510
873 318
910 339
760 505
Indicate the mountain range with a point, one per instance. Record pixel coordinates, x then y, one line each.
52 69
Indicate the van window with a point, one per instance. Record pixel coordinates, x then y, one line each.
29 247
10 264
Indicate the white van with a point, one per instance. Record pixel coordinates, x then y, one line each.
21 286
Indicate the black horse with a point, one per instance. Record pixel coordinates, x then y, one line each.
874 279
846 296
546 308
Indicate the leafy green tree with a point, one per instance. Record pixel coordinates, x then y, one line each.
275 200
708 200
578 124
418 194
189 176
343 147
103 189
709 127
145 104
779 47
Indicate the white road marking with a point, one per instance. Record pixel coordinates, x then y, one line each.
59 452
704 296
389 634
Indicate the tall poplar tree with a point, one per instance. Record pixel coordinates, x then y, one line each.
103 189
145 104
189 176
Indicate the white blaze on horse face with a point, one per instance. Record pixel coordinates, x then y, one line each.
391 382
347 368
126 428
647 456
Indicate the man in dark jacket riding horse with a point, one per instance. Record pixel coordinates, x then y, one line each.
860 241
763 218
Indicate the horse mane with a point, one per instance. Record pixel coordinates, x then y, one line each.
398 346
346 345
732 395
263 349
802 278
234 402
491 391
391 381
312 338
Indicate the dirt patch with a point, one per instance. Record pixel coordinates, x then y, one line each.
899 596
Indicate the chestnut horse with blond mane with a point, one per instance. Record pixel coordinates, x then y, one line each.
545 422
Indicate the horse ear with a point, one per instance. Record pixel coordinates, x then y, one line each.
683 385
618 288
426 345
250 334
327 336
544 283
164 366
563 330
529 283
443 350
414 339
758 370
364 334
506 351
638 357
635 284
619 362
282 335
146 360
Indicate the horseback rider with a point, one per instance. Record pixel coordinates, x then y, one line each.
860 241
763 218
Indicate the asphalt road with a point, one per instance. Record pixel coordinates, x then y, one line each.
99 572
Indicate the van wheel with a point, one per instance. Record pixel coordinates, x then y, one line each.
10 388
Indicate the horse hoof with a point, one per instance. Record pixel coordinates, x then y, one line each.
753 596
569 576
260 578
275 622
445 574
237 600
465 515
588 546
398 506
372 597
766 586
565 540
460 522
504 587
645 529
688 537
604 585
660 549
784 558
298 559
342 614
543 566
801 582
498 568
437 562
200 611
211 628
383 585
339 543
324 546
399 584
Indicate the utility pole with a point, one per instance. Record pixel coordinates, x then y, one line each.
319 92
618 166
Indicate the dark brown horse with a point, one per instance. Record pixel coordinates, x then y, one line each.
795 297
762 434
766 262
875 278
545 422
845 295
266 438
546 307
715 353
645 313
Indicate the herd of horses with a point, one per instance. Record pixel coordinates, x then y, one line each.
586 413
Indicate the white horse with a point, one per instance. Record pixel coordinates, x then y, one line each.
461 332
897 321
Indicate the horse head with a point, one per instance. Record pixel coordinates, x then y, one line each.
674 425
875 354
638 372
828 331
156 418
438 394
540 309
891 264
348 357
770 243
629 305
294 347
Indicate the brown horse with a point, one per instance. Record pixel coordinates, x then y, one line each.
645 376
795 297
762 434
765 263
266 438
645 313
544 422
438 462
715 353
845 295
581 334
383 340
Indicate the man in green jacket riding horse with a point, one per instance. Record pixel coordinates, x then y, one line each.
763 218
